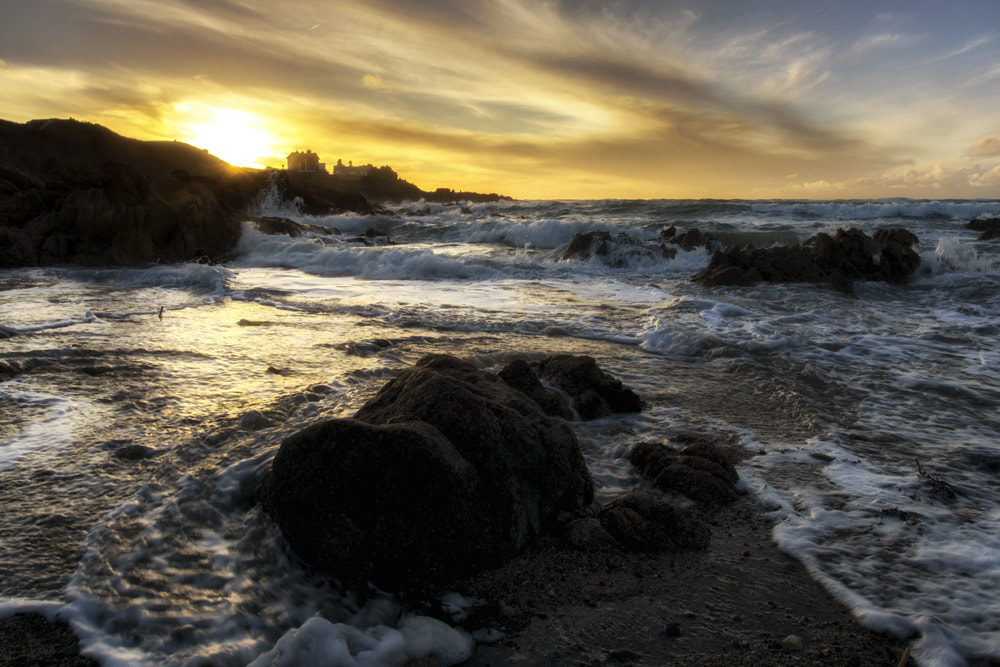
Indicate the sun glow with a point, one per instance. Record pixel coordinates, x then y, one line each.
235 136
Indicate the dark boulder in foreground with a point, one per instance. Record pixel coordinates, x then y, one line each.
447 470
578 388
701 470
839 260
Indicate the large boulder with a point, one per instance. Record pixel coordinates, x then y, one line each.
445 471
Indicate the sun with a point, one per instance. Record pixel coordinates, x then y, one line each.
235 136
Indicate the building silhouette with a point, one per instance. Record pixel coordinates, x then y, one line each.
340 169
304 161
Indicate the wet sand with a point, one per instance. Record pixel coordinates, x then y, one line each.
732 604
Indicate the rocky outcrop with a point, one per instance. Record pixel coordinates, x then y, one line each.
838 260
621 249
284 226
445 471
701 470
990 228
77 193
577 387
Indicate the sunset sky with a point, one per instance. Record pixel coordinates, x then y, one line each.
538 98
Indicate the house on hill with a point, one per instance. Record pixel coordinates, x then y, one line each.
304 161
341 169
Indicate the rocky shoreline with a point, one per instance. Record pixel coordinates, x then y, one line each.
681 571
731 604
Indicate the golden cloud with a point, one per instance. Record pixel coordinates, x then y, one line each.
988 147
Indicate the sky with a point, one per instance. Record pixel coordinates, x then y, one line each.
541 99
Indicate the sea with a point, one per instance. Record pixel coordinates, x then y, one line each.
140 404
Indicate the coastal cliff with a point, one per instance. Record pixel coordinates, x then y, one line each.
73 192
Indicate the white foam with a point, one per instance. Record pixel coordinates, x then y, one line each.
379 263
59 324
52 432
955 255
940 579
321 643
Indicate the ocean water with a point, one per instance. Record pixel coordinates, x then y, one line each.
871 422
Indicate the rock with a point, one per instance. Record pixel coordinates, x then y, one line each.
587 534
983 224
391 501
254 420
518 374
648 522
134 452
593 392
837 260
990 228
274 226
445 471
696 482
585 244
700 471
691 239
619 250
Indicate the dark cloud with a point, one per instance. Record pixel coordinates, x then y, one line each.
95 41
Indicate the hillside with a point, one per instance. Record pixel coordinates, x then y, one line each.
77 193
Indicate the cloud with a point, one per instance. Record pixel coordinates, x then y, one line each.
632 91
929 181
867 45
987 147
986 179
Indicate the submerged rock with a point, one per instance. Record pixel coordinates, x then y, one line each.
838 260
445 471
132 452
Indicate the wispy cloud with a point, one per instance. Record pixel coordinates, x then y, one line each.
632 92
